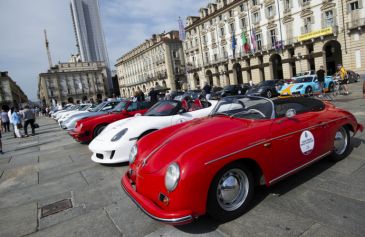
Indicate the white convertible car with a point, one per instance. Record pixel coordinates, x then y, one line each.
114 144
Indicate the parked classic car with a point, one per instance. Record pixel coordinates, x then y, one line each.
266 88
88 128
306 85
102 108
115 142
184 171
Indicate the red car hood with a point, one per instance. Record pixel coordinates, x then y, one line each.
196 138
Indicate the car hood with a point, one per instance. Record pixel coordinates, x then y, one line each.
197 139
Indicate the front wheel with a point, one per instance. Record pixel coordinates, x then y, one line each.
341 144
308 90
230 192
98 130
268 94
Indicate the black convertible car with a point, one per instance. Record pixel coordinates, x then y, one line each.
266 89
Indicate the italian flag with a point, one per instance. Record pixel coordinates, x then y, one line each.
246 47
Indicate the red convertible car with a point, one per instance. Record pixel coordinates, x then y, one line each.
211 165
88 128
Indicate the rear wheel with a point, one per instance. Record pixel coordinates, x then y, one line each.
341 144
99 129
230 192
268 94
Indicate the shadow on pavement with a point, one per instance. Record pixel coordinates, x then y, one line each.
206 224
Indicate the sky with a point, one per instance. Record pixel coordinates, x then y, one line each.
126 24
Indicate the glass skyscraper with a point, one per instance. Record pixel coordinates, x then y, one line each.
90 39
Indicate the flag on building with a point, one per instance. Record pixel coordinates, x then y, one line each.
234 44
253 40
181 30
245 45
278 45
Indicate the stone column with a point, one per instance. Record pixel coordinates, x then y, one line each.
170 81
256 77
268 69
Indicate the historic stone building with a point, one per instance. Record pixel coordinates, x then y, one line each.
71 82
158 62
10 93
284 37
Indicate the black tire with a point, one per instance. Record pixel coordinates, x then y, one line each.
99 129
216 207
340 154
308 90
268 94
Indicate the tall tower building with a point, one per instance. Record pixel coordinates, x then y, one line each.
90 39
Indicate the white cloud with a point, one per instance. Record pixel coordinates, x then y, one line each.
127 23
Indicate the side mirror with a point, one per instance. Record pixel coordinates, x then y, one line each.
290 113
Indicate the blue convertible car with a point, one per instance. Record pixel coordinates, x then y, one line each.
305 85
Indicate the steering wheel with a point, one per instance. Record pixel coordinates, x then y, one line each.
257 111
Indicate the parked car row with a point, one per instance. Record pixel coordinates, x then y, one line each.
191 157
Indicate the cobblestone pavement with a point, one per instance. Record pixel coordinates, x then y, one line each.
326 199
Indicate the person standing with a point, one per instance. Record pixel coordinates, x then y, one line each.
207 89
320 77
17 122
153 95
29 118
344 77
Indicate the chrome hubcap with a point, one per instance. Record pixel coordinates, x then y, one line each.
232 189
340 142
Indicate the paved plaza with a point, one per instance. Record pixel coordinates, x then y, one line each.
326 199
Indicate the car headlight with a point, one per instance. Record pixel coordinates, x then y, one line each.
133 154
300 87
172 176
119 135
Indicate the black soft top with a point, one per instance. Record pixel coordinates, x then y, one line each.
300 104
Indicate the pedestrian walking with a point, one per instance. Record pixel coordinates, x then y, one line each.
207 89
5 121
17 123
320 77
10 112
344 77
29 118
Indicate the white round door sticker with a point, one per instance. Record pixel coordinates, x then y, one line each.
306 142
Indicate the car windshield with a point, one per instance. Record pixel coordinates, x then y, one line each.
266 83
164 108
303 79
228 88
121 106
244 107
98 107
83 107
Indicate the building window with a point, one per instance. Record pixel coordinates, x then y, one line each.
256 17
204 39
287 5
273 37
242 7
305 2
231 26
270 11
258 41
354 6
206 57
220 17
243 23
222 31
230 13
307 25
254 2
328 18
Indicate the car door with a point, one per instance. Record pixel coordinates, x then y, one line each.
316 84
293 143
